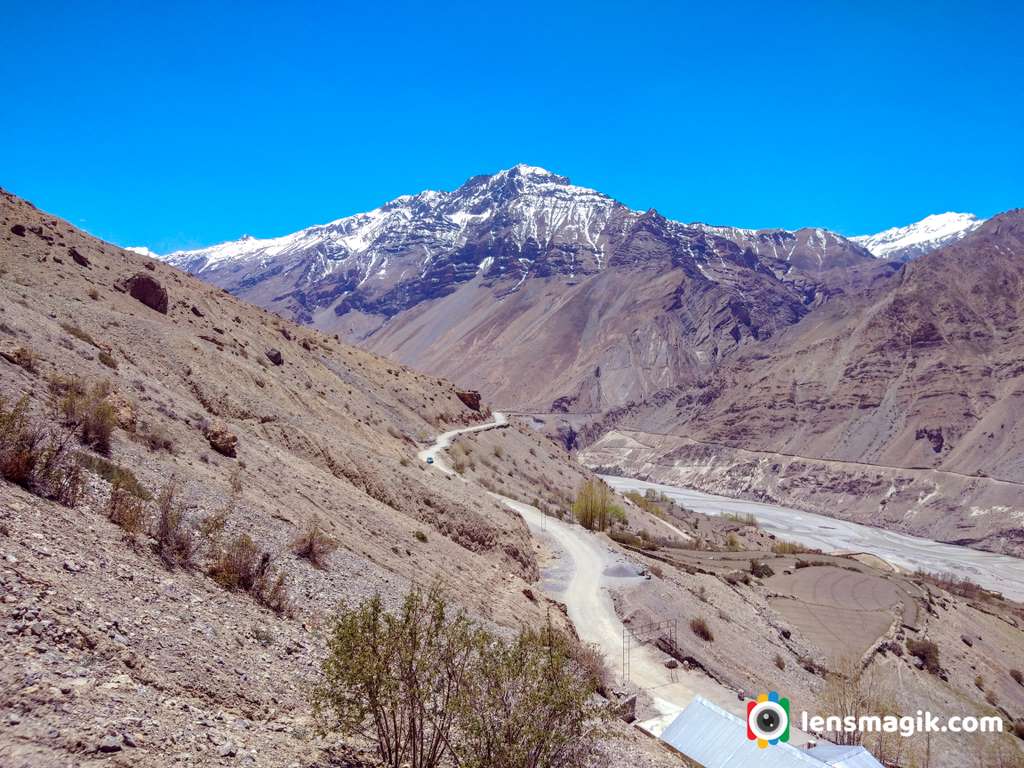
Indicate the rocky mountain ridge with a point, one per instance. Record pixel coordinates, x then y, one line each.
899 406
921 237
400 279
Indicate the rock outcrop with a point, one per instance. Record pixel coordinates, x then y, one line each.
147 290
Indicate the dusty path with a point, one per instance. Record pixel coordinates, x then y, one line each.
581 579
444 440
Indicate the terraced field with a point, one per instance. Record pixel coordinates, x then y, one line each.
842 610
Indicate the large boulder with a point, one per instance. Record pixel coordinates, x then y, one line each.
146 289
470 398
222 439
275 356
124 411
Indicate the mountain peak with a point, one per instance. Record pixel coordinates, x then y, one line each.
917 239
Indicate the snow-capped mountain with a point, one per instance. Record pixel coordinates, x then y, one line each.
919 238
510 226
507 264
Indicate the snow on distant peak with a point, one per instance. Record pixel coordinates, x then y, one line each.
917 239
143 251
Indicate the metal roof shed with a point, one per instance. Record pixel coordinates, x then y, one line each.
844 757
718 739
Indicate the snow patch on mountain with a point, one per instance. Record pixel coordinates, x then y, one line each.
917 239
143 251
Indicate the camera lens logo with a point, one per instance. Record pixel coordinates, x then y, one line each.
768 719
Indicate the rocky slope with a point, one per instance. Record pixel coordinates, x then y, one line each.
898 406
921 237
522 267
113 656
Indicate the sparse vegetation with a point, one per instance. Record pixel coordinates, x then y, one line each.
780 663
73 330
37 456
1017 676
789 548
242 566
699 627
107 359
760 570
747 519
86 409
925 650
430 687
173 537
114 474
314 544
126 510
954 584
156 438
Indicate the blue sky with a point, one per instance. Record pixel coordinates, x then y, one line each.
183 124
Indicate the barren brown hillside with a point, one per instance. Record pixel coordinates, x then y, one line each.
127 647
899 406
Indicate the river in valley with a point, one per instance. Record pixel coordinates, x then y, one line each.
1001 573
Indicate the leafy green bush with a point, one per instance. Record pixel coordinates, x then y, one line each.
430 687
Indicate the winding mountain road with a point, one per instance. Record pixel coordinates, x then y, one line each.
586 565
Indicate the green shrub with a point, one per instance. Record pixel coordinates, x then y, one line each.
593 507
429 687
420 536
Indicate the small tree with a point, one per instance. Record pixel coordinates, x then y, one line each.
593 505
395 678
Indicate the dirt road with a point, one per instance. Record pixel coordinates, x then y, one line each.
587 565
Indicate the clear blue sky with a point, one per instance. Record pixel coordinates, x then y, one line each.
187 124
